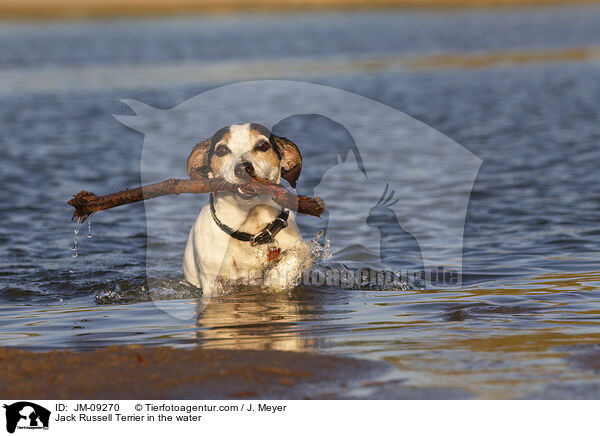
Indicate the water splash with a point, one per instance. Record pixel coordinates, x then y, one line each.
320 252
75 236
143 289
311 256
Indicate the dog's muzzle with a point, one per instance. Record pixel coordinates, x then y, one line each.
244 169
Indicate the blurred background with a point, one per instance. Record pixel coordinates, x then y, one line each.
111 8
515 82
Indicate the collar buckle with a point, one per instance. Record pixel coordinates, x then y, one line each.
263 237
284 222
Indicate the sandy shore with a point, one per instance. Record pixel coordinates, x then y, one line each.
135 372
107 8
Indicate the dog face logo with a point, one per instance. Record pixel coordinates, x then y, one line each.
26 415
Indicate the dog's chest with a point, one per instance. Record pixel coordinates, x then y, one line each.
212 253
243 255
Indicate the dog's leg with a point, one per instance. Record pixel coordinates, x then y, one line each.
285 275
190 269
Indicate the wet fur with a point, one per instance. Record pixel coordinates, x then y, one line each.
211 256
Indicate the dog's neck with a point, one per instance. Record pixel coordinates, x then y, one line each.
249 217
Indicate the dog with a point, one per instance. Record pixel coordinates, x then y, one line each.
241 238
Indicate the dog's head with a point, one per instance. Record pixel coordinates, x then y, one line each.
240 150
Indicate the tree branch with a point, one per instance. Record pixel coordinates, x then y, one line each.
87 203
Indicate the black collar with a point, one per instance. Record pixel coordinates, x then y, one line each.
265 236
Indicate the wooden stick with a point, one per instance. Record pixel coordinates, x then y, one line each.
88 203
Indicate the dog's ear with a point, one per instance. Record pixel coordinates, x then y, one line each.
291 159
198 163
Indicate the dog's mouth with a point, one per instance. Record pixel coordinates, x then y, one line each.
244 195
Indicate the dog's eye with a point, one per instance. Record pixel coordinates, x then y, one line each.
263 146
222 150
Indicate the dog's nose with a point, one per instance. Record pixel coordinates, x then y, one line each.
244 169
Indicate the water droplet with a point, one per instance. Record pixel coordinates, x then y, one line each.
75 235
89 227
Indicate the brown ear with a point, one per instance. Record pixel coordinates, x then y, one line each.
291 159
198 165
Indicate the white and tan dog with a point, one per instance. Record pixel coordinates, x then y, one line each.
239 236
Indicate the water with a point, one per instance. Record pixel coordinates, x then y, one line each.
76 237
526 320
